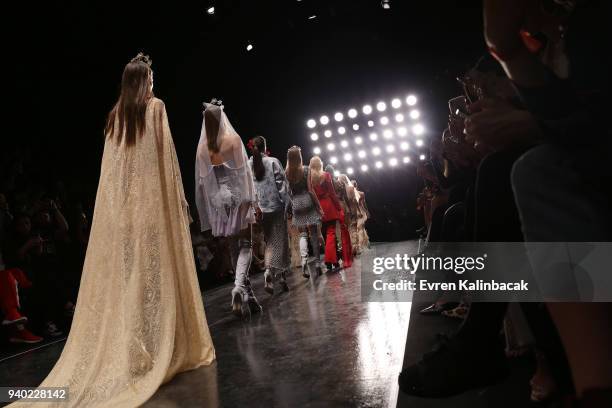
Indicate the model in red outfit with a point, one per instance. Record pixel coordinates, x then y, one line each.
332 210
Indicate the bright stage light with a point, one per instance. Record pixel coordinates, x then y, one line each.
348 157
419 143
378 164
388 134
249 47
411 100
328 133
211 10
390 148
361 154
355 126
406 159
381 106
341 130
349 170
396 103
418 129
331 147
384 120
311 123
393 162
415 114
358 140
314 137
324 120
370 123
316 150
376 151
373 137
333 160
364 167
404 146
344 143
352 113
422 157
402 131
367 109
338 116
399 118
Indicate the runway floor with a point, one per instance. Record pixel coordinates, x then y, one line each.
318 345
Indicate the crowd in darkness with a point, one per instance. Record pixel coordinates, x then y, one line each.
524 158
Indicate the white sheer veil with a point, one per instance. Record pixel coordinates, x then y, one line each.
210 201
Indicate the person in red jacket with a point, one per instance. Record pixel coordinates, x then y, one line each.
332 211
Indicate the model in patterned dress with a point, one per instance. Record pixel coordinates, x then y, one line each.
305 209
273 199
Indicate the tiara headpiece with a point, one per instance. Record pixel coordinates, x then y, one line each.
145 59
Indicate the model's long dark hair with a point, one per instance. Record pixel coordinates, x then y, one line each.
211 121
259 149
131 107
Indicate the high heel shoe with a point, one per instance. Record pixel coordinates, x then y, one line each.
254 306
240 305
268 282
305 270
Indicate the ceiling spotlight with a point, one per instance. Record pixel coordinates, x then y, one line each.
333 160
378 164
314 137
367 109
312 17
373 137
361 154
418 129
399 117
352 113
385 4
358 140
364 167
396 103
384 120
337 173
370 123
415 114
381 106
388 134
311 123
402 131
348 157
404 146
393 162
338 116
406 159
419 143
328 133
249 47
355 126
349 170
390 148
316 150
211 10
376 151
324 120
344 143
422 157
411 100
341 130
331 147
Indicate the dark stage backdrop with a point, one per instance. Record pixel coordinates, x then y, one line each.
66 59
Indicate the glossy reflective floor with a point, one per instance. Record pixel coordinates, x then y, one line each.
317 346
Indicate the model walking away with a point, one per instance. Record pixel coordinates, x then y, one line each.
225 197
139 318
305 210
273 198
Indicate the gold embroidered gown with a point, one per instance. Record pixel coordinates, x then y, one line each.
139 318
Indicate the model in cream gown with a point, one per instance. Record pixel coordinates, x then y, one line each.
139 318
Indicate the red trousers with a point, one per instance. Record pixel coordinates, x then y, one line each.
330 243
9 298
